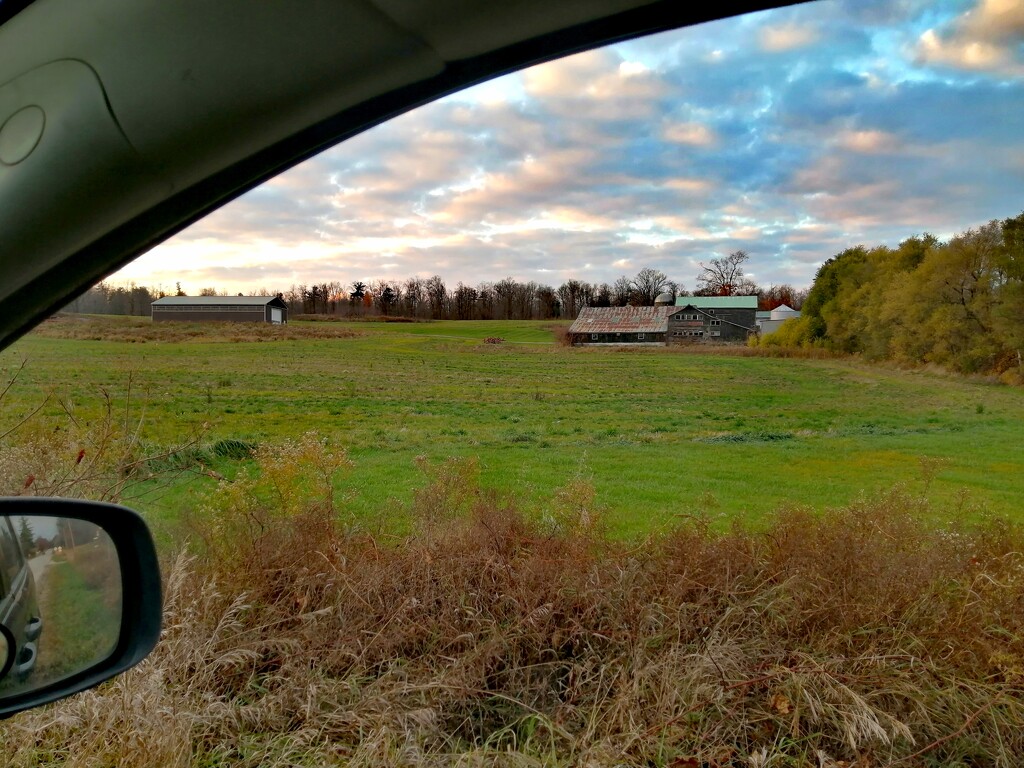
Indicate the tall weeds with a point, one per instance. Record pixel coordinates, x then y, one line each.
100 457
491 637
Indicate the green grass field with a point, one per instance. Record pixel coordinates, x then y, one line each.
659 433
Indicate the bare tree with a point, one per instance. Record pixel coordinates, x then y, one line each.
547 301
384 296
647 285
375 289
505 291
437 295
413 298
485 301
676 288
525 297
622 292
396 292
574 295
337 296
723 277
464 301
776 295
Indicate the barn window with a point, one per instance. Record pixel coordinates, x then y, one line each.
593 336
639 335
716 322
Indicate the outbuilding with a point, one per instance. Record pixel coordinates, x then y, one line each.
712 319
620 325
776 318
205 309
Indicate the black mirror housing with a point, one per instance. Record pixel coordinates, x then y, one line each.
141 601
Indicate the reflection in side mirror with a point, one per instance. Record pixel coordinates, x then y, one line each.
79 597
60 599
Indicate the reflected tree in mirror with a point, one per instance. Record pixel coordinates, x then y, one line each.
60 599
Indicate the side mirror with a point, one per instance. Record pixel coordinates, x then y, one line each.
79 597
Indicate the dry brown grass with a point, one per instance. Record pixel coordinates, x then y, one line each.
141 330
742 350
561 334
361 318
488 637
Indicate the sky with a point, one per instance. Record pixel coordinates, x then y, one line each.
790 134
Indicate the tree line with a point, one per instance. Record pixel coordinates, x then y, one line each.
958 304
432 299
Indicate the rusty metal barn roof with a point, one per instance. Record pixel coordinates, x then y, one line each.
622 320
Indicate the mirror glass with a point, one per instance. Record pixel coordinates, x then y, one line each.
60 599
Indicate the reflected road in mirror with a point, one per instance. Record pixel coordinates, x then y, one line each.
60 599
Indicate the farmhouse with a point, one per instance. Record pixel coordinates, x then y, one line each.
239 309
620 325
712 319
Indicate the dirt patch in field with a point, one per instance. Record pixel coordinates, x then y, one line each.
142 330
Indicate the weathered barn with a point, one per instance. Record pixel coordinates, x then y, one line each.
620 325
712 319
238 309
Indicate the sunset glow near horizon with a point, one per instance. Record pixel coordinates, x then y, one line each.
791 134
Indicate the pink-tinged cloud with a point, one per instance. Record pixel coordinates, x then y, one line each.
659 153
786 37
869 142
691 134
988 37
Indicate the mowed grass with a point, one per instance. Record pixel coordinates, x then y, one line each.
659 433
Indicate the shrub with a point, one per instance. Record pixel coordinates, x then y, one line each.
488 636
562 336
795 332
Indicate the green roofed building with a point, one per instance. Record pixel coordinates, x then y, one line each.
718 302
712 319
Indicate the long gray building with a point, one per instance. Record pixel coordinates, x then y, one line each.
712 319
620 325
237 309
708 319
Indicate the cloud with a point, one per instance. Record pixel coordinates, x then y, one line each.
870 142
986 38
786 37
599 85
693 134
660 152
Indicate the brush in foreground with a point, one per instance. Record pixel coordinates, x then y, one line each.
490 636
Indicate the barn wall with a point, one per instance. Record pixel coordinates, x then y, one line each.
269 316
618 338
255 315
732 327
